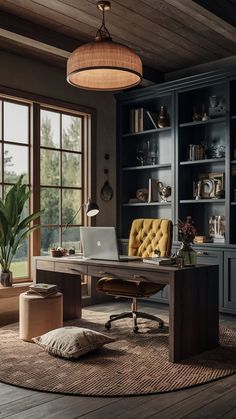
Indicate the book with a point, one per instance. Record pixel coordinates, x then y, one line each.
153 116
160 261
42 294
152 190
140 119
131 122
43 288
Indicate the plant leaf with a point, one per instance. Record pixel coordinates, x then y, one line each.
24 223
22 237
10 209
3 227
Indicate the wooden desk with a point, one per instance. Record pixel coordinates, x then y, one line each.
193 296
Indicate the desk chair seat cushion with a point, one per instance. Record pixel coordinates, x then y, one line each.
123 287
71 341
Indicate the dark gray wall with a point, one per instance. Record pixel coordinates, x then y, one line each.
36 77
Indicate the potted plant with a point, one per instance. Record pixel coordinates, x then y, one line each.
13 229
187 232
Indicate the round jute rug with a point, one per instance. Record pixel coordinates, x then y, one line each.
132 365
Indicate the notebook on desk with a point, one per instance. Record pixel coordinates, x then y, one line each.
101 243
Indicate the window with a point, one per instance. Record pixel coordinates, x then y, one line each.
15 161
61 179
51 147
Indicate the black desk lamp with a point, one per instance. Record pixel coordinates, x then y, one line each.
91 209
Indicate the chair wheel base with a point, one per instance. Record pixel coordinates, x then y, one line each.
108 325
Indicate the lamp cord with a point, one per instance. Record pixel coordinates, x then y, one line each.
103 32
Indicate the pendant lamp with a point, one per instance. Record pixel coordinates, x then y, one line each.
104 64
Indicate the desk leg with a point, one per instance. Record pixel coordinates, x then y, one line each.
69 285
193 312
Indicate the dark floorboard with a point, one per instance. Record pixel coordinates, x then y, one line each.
214 400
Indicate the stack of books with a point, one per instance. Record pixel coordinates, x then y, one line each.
45 290
203 239
162 261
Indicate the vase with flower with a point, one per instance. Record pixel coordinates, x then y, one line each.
187 232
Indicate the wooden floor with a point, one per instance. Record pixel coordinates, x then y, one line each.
213 400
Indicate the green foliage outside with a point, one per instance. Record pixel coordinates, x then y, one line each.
51 176
50 196
20 269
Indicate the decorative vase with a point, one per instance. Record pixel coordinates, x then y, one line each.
188 254
6 279
163 119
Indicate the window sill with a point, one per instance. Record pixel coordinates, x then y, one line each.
14 291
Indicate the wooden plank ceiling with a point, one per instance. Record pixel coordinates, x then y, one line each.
168 35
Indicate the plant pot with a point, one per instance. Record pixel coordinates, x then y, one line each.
56 253
6 279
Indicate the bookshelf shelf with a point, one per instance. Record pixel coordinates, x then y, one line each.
148 131
217 120
205 161
146 204
202 201
148 167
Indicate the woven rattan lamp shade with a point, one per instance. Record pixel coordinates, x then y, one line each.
104 65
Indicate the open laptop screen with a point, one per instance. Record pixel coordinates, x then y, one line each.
99 243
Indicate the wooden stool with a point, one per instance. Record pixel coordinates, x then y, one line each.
39 315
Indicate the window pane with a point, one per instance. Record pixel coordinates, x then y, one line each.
50 202
50 129
71 169
49 239
49 167
71 238
71 202
16 122
71 133
15 163
19 265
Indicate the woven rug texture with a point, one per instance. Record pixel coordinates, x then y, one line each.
134 364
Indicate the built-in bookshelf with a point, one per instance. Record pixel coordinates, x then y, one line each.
146 160
194 155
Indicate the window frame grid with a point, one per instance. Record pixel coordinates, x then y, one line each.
34 102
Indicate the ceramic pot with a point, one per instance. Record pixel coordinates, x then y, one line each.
56 253
188 254
6 279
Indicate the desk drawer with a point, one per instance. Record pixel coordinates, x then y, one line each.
209 257
71 268
131 274
45 265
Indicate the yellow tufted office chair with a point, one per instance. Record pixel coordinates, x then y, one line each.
146 235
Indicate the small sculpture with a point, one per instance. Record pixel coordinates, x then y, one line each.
142 195
164 191
199 190
163 119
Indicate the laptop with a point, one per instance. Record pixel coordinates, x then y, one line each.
101 243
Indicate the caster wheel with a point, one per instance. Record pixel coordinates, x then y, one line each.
135 329
108 326
161 325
